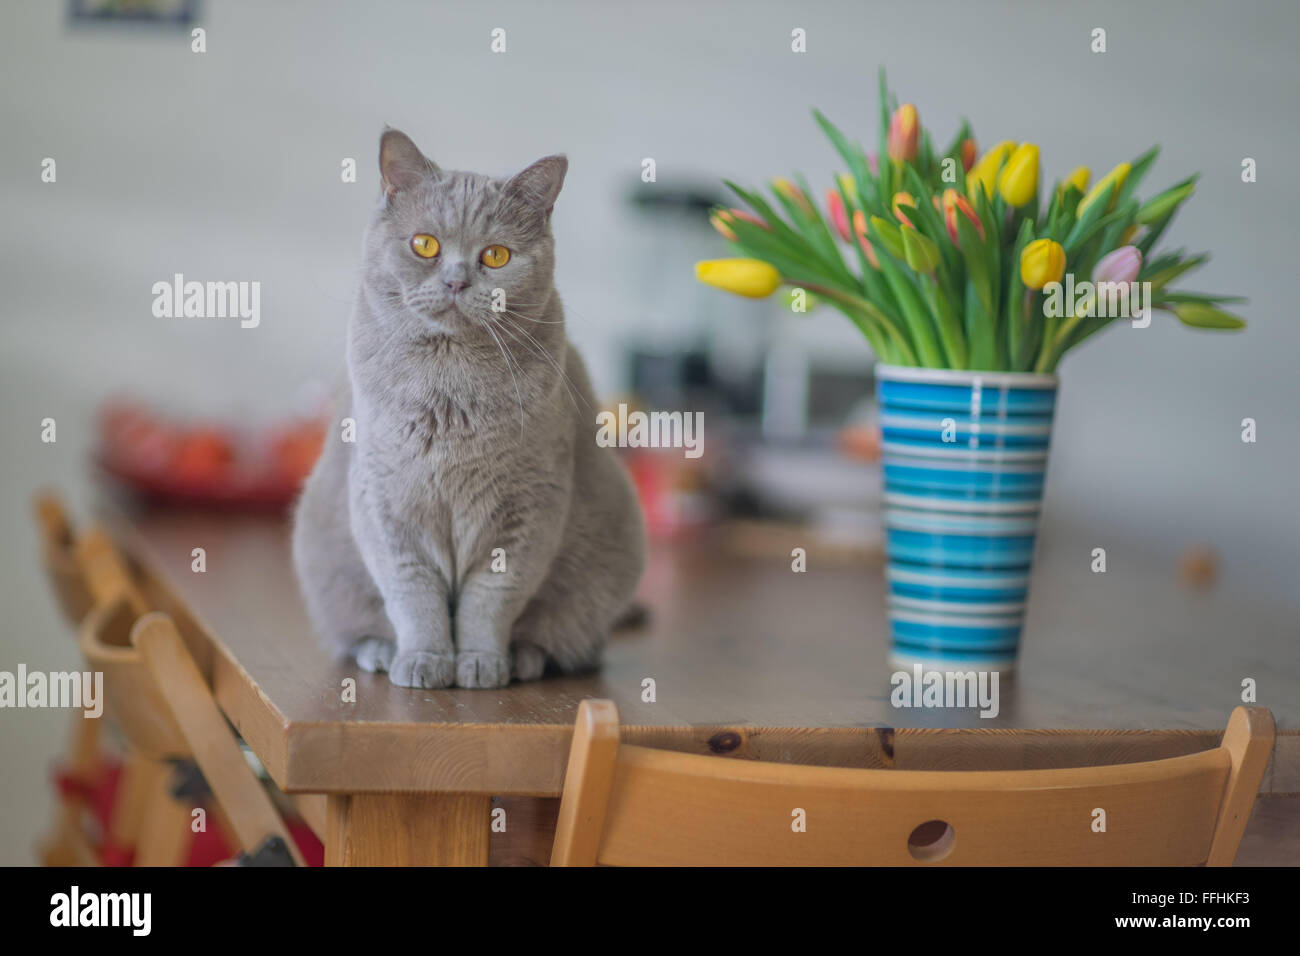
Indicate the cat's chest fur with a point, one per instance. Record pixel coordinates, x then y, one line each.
460 469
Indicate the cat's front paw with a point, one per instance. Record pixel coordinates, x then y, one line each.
482 669
529 661
374 654
421 669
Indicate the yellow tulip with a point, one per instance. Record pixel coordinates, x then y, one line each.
1115 177
793 193
849 185
1041 262
752 278
985 172
1019 180
1078 179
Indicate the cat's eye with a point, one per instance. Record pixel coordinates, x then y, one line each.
494 257
424 245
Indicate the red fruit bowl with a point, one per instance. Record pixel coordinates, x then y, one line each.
206 464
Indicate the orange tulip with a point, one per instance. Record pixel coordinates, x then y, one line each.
952 203
720 220
968 150
860 229
903 199
904 132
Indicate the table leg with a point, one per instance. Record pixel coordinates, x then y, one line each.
407 829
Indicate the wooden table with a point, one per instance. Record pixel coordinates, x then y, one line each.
747 658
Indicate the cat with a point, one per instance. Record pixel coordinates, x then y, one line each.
474 531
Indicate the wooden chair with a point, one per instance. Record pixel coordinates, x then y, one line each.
165 711
634 806
83 767
90 579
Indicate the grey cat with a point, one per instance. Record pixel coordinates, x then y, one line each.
474 531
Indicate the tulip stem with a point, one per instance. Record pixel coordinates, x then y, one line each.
1048 344
1056 345
1021 330
863 306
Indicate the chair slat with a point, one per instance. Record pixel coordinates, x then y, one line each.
641 806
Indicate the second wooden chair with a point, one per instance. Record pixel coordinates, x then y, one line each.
627 805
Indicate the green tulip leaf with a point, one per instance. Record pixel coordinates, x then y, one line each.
920 252
1138 170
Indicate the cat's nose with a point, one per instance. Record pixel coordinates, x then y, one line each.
455 276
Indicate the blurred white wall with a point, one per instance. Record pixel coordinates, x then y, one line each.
226 166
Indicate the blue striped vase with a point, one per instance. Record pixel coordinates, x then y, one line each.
964 455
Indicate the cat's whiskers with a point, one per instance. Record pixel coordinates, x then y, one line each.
568 309
530 318
514 333
504 354
569 384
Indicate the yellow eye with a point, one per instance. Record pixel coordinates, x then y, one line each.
424 246
494 257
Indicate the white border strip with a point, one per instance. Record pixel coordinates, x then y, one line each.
949 376
981 426
940 607
963 505
940 578
972 456
905 660
943 620
986 526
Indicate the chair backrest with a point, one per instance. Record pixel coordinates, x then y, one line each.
131 694
104 637
59 558
189 703
635 806
106 572
159 697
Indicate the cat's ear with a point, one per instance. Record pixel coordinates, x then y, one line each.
540 183
401 164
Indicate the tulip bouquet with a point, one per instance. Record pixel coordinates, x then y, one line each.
954 260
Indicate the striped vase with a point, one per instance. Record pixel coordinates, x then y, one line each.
964 455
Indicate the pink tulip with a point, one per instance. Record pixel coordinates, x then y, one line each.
1122 265
835 203
750 217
